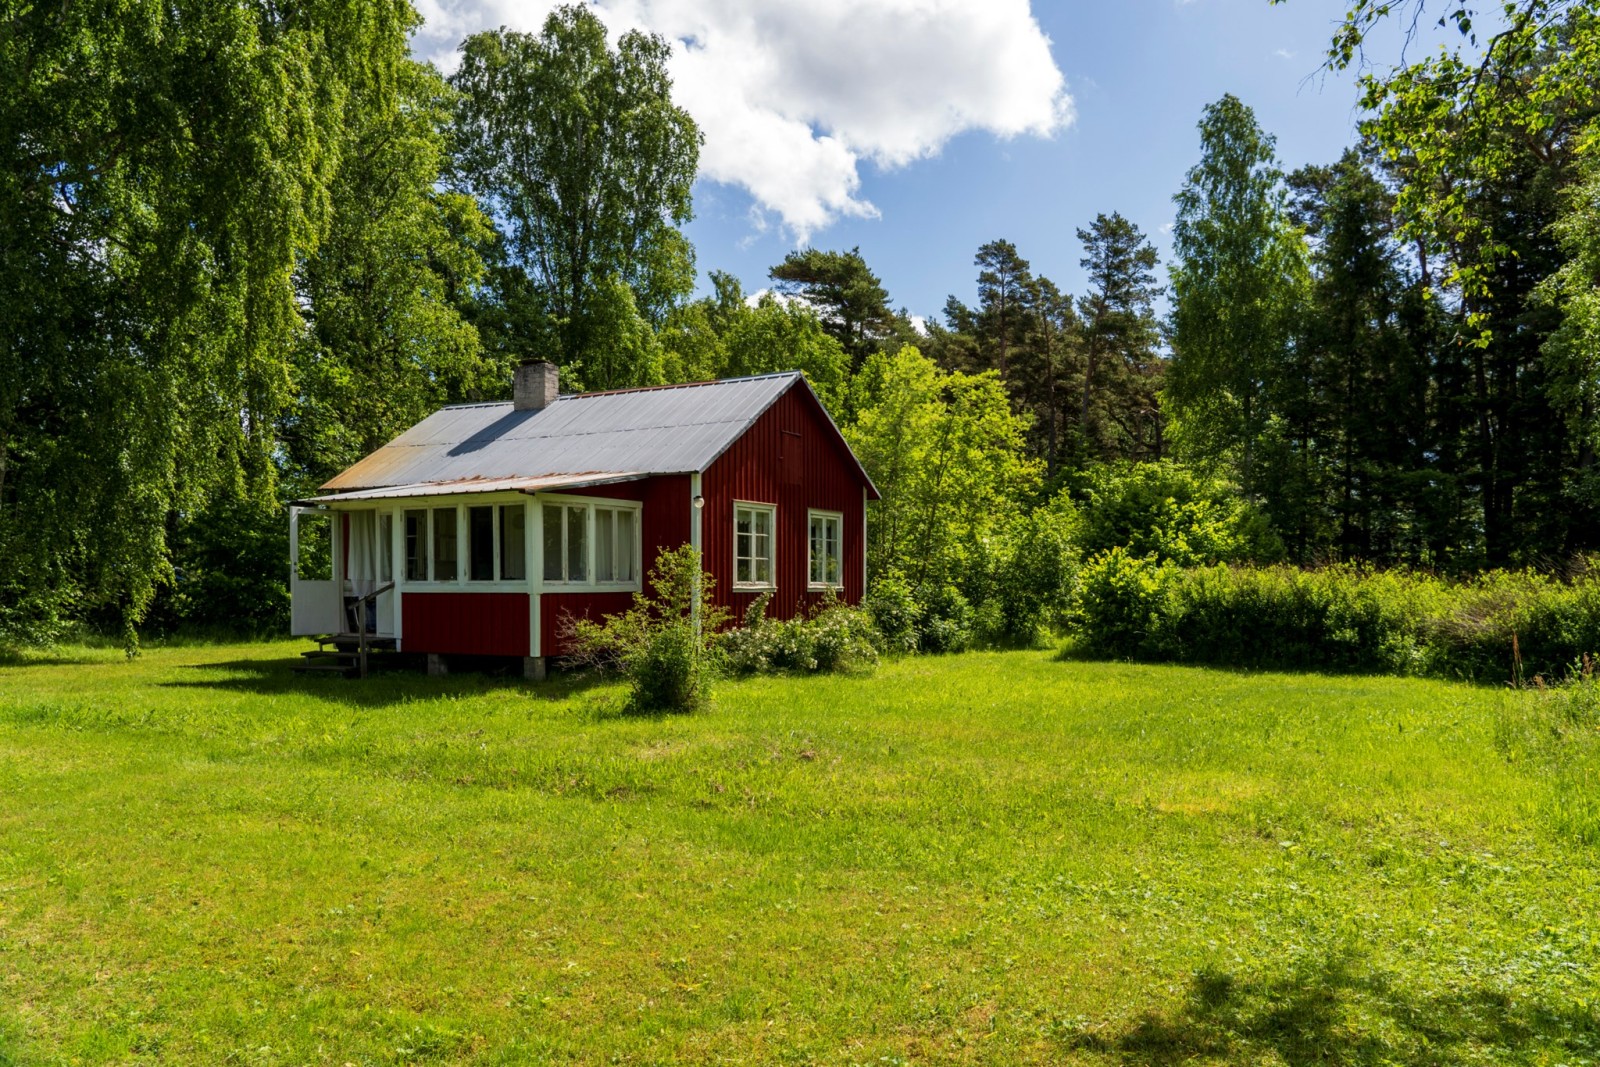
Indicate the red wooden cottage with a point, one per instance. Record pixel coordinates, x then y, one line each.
478 529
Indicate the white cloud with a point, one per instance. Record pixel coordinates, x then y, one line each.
794 97
1284 53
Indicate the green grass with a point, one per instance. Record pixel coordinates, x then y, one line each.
992 858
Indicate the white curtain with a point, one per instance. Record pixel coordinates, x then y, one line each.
363 552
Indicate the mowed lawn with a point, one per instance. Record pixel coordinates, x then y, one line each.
991 858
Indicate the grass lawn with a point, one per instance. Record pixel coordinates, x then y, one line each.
992 858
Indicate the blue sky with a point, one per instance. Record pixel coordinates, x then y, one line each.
1139 72
920 129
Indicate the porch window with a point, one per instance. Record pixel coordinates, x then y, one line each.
826 556
444 544
513 543
416 545
566 542
480 544
752 545
615 545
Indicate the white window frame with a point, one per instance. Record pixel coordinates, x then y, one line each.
461 506
612 510
771 511
837 518
589 504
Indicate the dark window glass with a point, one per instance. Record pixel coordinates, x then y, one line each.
480 544
416 546
444 544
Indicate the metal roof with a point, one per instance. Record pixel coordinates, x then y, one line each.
673 429
475 485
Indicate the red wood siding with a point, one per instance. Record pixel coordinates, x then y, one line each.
556 608
664 524
468 624
793 458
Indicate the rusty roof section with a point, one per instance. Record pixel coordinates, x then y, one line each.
677 429
474 485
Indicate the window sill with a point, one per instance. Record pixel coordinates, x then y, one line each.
755 587
813 587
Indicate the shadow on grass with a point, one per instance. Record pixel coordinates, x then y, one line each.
398 680
1334 1013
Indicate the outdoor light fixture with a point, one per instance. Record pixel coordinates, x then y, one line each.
699 502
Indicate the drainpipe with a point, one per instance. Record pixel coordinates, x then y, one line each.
697 504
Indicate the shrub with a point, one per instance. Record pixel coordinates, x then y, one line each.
1502 626
1032 581
659 644
835 639
896 616
1120 599
946 620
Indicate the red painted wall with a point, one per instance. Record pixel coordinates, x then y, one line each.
793 458
468 624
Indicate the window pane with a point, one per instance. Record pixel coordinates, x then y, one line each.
625 550
816 548
553 514
316 547
384 549
604 566
480 544
416 546
513 543
444 544
577 544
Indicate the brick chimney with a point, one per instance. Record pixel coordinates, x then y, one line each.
534 386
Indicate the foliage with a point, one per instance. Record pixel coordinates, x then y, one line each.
1497 627
848 297
946 620
578 150
664 645
1118 414
892 606
165 167
1119 602
1033 580
1174 513
946 451
228 572
1458 124
385 344
1238 278
833 639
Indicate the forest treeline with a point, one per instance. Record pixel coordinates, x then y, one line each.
244 245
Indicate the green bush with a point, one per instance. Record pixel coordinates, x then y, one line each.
836 639
892 606
662 645
945 621
1032 581
1120 601
1502 626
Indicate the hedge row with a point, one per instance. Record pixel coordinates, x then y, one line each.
1500 626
